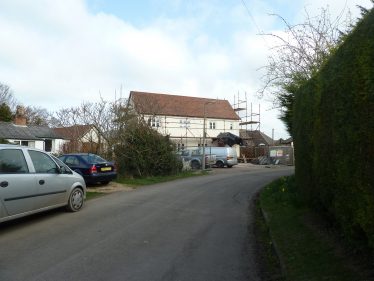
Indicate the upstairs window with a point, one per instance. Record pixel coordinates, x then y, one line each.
154 122
212 125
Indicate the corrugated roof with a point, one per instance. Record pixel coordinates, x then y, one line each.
173 105
11 131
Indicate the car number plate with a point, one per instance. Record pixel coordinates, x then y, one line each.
105 169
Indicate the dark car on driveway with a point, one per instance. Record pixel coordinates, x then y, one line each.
92 167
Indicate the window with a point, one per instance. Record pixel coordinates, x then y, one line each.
212 125
63 167
43 163
92 158
154 122
48 145
231 126
185 123
185 153
24 143
12 161
195 152
72 161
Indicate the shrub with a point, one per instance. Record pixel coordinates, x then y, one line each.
143 152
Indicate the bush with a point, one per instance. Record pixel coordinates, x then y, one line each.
143 152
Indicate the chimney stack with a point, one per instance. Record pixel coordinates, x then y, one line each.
20 118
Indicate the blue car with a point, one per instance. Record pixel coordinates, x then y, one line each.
92 167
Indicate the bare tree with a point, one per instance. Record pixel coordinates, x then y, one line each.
37 116
7 96
34 115
122 133
104 117
301 52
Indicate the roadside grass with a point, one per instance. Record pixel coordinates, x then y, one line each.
92 195
136 182
306 251
270 269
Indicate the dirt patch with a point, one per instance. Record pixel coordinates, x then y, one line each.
109 188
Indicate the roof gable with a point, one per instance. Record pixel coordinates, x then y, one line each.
173 105
73 132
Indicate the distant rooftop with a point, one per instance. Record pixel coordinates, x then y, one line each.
11 131
173 105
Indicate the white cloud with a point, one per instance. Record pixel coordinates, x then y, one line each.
56 53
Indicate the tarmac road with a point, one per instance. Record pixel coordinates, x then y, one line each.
192 229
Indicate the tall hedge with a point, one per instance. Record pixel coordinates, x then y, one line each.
334 135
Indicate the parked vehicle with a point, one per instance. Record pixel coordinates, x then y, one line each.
195 156
225 156
92 167
33 181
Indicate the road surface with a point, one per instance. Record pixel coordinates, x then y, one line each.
192 229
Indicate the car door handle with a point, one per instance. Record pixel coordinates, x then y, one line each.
41 182
4 184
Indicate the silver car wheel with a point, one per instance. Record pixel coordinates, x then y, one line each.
75 200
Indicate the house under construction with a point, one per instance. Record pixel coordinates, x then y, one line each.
255 143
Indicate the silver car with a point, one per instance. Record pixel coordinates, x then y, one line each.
33 181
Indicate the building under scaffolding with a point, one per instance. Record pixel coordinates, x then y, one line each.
256 144
250 120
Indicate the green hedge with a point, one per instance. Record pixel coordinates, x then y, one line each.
143 152
334 135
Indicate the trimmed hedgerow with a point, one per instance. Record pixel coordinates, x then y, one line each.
334 136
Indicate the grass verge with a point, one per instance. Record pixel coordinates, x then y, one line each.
306 251
135 182
92 195
269 266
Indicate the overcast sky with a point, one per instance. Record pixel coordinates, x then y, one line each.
59 53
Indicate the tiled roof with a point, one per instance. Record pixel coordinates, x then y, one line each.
11 131
73 132
172 105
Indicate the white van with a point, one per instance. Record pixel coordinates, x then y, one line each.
225 156
194 157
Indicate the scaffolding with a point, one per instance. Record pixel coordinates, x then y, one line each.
250 125
247 118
